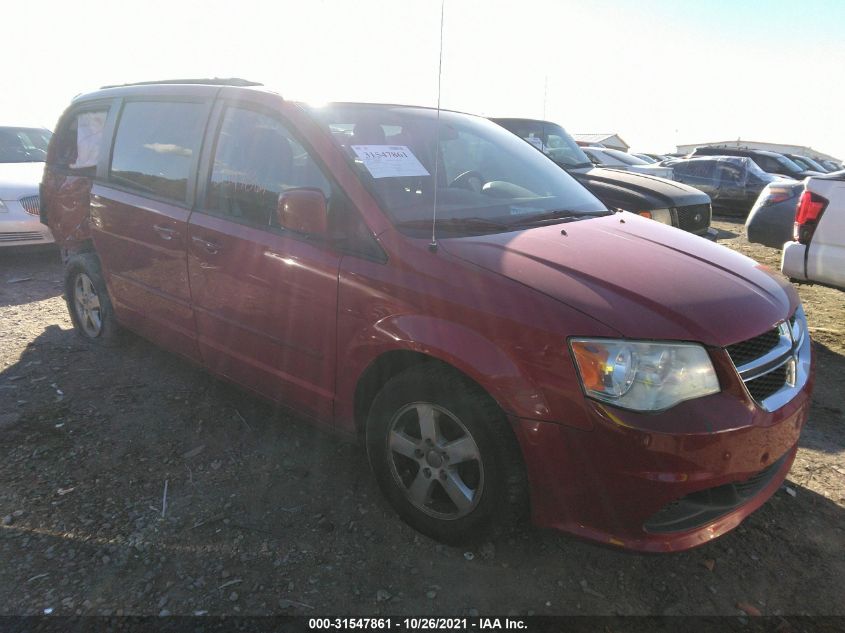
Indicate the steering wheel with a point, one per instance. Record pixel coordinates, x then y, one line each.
471 180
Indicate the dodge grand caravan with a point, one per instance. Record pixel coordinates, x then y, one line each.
501 342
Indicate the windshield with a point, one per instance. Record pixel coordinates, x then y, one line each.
647 159
789 165
624 157
487 179
550 138
23 145
808 163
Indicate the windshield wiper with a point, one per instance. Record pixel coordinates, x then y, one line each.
458 224
573 165
558 217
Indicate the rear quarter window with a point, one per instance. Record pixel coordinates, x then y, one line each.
78 144
768 164
701 169
155 147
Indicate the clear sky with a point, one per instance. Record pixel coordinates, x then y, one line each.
658 72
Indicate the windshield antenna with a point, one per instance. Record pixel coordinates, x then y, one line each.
433 245
545 94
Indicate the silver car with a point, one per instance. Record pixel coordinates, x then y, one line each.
22 154
614 159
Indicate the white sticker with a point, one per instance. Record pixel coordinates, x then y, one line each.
389 161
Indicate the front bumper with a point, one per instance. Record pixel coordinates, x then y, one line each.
616 484
19 228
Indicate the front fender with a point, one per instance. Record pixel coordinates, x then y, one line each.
457 345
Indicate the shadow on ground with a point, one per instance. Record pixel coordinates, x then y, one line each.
264 514
33 272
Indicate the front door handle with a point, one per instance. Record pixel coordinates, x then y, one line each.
165 232
212 248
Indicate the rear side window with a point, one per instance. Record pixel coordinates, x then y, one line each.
768 164
155 146
680 169
255 160
79 142
730 174
701 169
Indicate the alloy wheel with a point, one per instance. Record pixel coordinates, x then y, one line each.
86 302
435 460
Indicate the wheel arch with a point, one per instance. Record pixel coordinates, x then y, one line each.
407 341
83 247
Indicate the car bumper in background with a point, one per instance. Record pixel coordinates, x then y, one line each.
771 225
792 263
21 228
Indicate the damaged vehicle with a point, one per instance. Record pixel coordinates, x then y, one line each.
500 342
732 182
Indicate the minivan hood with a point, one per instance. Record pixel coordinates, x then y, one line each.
19 179
641 278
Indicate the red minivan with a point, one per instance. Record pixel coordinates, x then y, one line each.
429 282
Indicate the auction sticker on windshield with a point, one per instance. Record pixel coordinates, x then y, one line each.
389 161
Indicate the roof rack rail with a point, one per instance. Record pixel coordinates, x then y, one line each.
216 81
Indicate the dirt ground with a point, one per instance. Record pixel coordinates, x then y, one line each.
266 515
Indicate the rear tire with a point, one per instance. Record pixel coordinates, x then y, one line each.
88 301
445 457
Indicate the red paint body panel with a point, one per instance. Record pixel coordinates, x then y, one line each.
505 336
300 322
266 307
605 483
141 244
68 197
645 281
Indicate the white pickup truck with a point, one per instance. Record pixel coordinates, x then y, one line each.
817 252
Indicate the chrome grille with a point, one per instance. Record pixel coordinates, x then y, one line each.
767 384
742 353
775 364
30 204
22 236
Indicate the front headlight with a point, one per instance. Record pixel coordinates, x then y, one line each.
664 216
641 375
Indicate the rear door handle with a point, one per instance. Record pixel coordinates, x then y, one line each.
165 232
211 248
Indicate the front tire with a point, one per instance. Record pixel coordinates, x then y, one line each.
444 456
88 300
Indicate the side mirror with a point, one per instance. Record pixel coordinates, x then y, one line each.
303 211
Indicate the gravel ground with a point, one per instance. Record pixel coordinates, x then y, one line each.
267 515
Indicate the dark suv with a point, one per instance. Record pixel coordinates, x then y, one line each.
770 162
732 182
657 198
